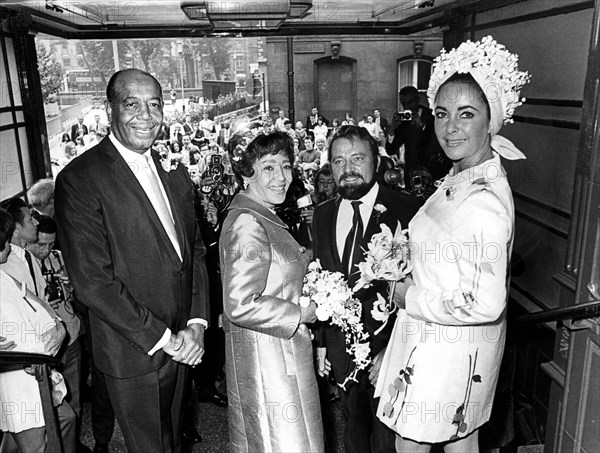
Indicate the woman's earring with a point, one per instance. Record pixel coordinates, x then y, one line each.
245 183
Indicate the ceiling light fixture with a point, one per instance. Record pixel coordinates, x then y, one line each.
228 10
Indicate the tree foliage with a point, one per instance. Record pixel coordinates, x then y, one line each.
215 49
50 73
148 51
98 59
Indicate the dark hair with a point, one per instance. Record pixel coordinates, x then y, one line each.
356 133
172 145
7 226
274 143
14 207
325 170
67 136
111 88
467 79
409 90
46 224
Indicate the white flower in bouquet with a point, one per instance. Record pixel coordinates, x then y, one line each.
333 297
386 258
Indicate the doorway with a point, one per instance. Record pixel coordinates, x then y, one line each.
335 92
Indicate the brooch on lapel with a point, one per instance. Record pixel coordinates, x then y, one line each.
450 191
166 161
379 209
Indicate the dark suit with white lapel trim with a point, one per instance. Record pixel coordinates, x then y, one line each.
399 207
125 269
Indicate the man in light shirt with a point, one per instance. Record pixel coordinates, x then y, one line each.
147 298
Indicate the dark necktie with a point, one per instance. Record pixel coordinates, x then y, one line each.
31 271
352 252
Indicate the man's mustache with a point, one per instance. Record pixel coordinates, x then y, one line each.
351 174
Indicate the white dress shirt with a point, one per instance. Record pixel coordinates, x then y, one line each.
16 266
346 214
135 161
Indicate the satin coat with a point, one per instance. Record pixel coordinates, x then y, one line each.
271 385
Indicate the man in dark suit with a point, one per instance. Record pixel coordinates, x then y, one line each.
188 127
418 137
225 134
135 255
78 129
380 121
313 119
338 242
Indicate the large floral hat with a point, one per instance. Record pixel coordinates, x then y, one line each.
496 71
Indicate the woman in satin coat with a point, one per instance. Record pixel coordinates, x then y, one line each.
271 385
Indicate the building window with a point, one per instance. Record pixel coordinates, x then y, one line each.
15 159
415 72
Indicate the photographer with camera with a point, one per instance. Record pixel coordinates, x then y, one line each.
414 129
59 293
214 185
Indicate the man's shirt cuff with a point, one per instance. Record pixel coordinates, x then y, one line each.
167 335
163 341
204 322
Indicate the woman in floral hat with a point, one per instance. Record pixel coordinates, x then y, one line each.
440 371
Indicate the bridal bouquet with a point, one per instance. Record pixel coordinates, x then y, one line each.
329 290
386 258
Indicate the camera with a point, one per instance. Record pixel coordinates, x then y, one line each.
405 115
54 289
215 168
304 202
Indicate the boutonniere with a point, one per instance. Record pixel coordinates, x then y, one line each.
379 209
166 162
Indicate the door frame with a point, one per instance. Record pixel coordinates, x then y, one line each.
342 59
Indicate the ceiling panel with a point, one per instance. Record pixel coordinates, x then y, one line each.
162 18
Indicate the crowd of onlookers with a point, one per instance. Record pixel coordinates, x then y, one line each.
79 139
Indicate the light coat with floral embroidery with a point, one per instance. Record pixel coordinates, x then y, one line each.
439 374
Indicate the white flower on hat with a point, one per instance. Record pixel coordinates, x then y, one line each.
493 67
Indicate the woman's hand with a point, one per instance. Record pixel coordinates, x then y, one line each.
400 291
308 314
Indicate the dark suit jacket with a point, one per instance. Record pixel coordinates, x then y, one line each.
310 126
383 124
400 207
122 264
221 137
187 128
74 129
421 147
